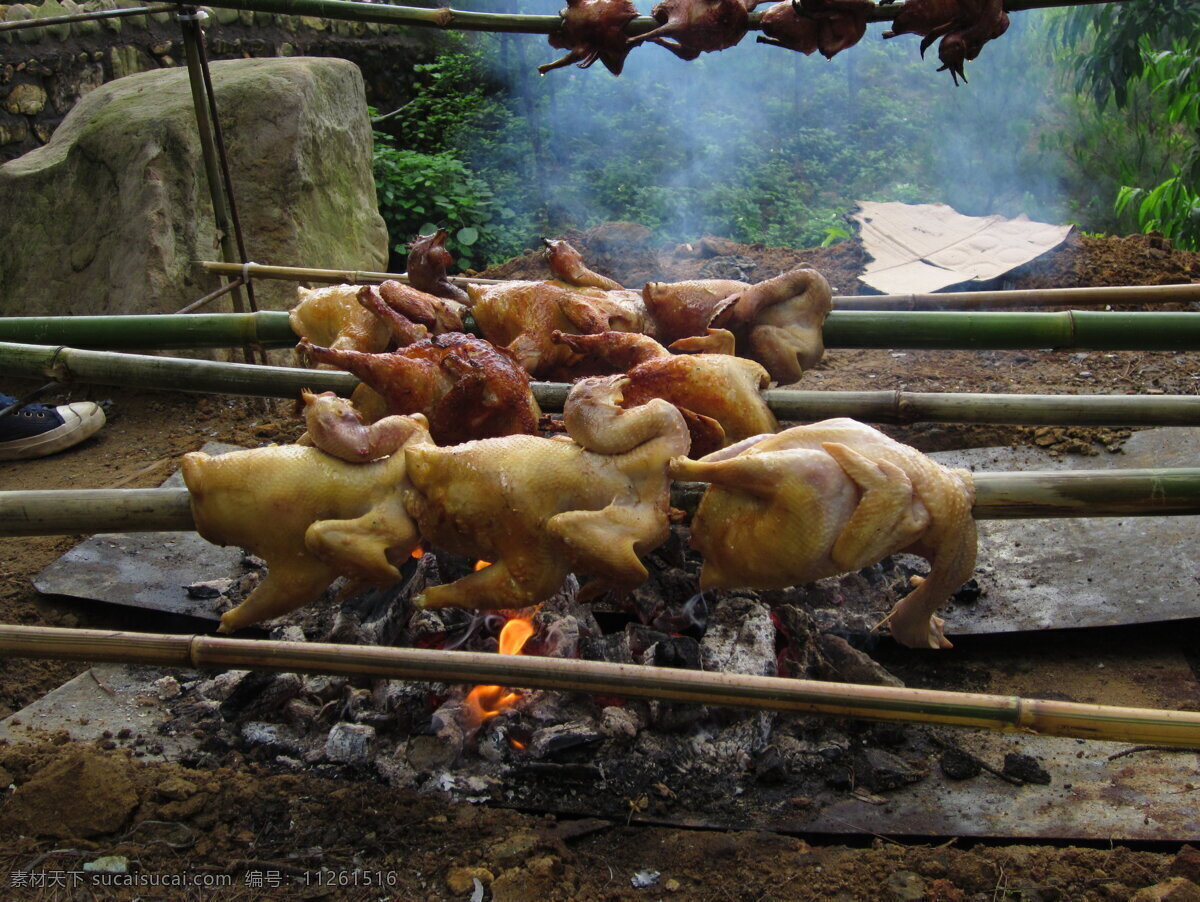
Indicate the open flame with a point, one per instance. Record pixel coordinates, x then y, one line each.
488 701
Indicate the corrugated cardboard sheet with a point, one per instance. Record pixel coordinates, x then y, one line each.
919 248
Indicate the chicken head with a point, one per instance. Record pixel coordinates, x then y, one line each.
833 497
428 263
542 508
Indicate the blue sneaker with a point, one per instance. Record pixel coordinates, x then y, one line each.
36 430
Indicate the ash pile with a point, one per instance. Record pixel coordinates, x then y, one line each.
580 753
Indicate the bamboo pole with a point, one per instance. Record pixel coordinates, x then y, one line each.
88 16
462 20
998 496
894 407
1005 713
968 330
951 300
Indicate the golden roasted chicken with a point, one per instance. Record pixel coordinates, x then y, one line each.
333 317
829 498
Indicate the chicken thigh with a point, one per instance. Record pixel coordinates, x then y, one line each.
829 498
542 508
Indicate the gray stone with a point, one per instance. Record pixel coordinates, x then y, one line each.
350 743
116 208
25 99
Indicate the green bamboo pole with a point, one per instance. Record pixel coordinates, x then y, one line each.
950 300
1083 329
998 496
88 16
896 407
735 690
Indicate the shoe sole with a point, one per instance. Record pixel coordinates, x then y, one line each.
82 420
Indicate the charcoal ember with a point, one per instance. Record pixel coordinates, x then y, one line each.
324 688
560 737
1025 768
222 685
956 764
406 701
613 648
641 639
770 766
261 693
740 638
687 618
844 663
191 714
441 627
969 593
347 629
795 641
728 266
645 602
440 742
620 722
676 717
350 743
681 652
881 771
556 635
300 715
211 588
289 632
273 736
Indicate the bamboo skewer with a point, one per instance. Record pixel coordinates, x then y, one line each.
897 407
998 496
923 706
969 330
950 300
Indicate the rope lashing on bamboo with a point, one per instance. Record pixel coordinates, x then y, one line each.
1143 726
998 496
950 300
966 330
64 364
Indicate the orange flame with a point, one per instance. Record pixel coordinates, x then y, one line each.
479 565
418 552
488 701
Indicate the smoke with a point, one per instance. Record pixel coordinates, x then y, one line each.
762 143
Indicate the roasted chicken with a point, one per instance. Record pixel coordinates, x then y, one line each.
309 515
718 394
593 30
467 388
690 27
833 497
333 317
428 265
779 320
963 25
542 508
807 25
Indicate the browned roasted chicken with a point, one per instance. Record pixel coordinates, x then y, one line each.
690 27
428 265
310 516
542 508
833 497
718 394
778 320
593 30
466 387
963 25
411 314
807 25
333 317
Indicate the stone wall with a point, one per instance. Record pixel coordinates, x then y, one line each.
45 71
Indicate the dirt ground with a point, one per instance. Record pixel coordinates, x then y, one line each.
240 830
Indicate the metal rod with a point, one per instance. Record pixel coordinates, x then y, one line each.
930 706
88 16
1165 492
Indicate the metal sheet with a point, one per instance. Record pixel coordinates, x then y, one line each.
1086 572
144 570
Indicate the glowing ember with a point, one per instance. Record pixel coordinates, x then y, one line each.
488 701
418 552
479 565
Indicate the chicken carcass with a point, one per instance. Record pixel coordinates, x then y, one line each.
779 320
466 387
718 393
829 498
428 262
963 25
807 25
698 26
333 317
542 508
410 314
593 30
309 515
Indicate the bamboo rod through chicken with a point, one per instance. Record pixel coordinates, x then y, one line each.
1005 713
895 407
951 300
968 330
998 496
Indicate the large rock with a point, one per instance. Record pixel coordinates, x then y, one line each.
111 215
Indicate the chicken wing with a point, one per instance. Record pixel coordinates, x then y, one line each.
833 497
